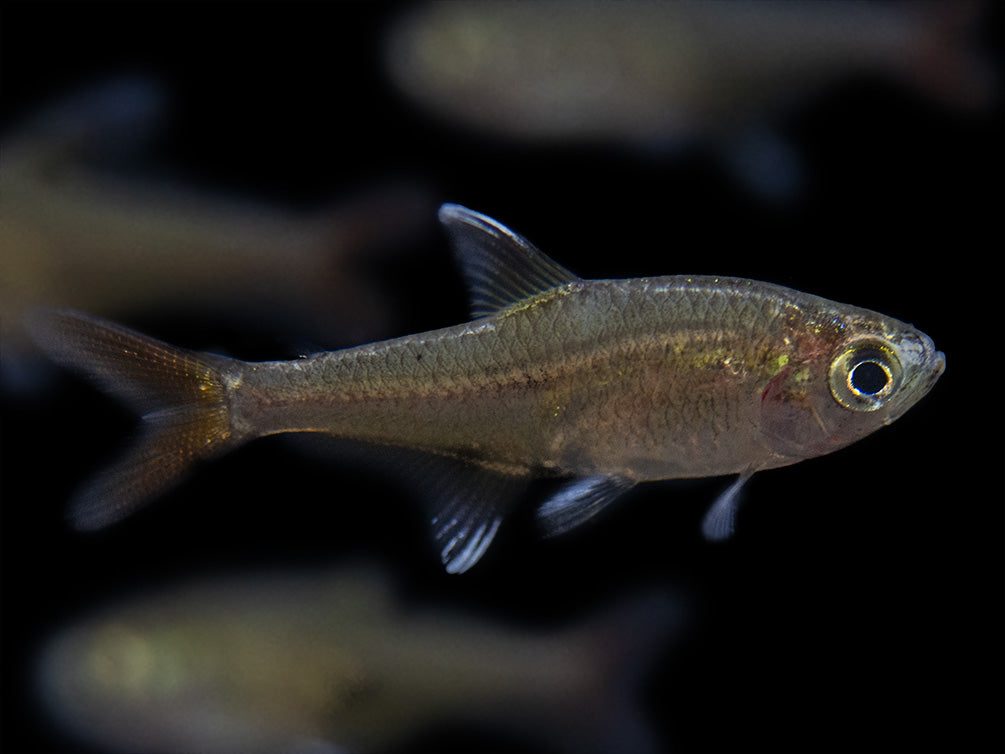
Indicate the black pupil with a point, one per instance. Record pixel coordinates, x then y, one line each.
869 377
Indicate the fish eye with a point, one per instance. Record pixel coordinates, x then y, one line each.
864 376
868 378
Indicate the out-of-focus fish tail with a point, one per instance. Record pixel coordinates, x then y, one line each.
944 62
181 395
620 648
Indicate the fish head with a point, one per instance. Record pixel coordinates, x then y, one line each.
117 681
845 373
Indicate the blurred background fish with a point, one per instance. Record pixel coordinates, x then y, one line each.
665 75
329 660
86 224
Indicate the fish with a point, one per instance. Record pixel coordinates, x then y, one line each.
89 225
329 660
604 383
663 77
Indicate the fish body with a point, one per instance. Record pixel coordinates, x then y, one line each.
78 233
670 74
607 382
651 378
328 661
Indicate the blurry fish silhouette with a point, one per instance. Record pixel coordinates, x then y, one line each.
610 382
77 234
326 661
672 74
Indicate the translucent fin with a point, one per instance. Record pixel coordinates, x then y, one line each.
718 522
180 394
468 502
465 502
579 500
500 267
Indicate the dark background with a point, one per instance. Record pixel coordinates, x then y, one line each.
860 605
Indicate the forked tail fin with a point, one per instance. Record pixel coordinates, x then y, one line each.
181 395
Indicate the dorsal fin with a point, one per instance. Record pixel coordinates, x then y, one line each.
500 267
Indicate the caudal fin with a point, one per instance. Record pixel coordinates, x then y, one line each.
180 394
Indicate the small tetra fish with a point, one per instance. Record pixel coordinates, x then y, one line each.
670 74
326 661
609 382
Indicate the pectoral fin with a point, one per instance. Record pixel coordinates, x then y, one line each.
579 500
718 523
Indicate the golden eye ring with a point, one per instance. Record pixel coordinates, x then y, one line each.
865 375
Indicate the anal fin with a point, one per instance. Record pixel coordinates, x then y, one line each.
467 503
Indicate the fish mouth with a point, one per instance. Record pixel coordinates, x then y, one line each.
929 374
930 363
940 365
923 367
937 368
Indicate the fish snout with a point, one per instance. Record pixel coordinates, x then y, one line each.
940 365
